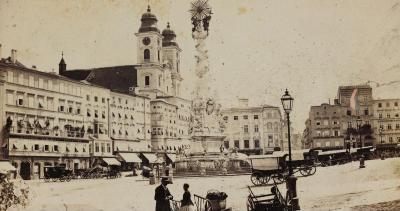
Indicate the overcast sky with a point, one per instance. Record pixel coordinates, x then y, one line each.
257 48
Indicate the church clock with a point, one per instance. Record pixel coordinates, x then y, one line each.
146 41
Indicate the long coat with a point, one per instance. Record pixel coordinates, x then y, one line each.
162 203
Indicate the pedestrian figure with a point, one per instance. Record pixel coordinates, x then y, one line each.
162 196
186 203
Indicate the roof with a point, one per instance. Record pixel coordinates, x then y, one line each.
9 62
115 78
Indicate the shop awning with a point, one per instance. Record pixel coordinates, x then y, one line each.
130 157
5 167
152 158
172 157
112 161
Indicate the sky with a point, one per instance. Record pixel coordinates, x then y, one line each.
257 48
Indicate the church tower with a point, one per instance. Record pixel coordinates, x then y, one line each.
150 73
171 52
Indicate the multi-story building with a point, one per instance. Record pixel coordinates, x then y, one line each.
48 118
324 126
253 130
386 121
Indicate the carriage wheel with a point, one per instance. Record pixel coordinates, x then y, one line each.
62 179
54 179
257 179
207 206
68 178
266 179
313 170
305 170
46 179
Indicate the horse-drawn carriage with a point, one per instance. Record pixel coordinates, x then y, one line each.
113 172
55 173
275 166
333 157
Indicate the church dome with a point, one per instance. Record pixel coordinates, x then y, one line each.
168 37
149 22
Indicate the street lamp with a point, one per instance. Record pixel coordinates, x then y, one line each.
287 103
359 122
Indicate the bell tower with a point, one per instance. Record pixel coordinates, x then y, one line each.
171 52
150 72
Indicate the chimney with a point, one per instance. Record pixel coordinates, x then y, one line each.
243 102
34 67
13 56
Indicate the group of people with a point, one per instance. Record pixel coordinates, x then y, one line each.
163 197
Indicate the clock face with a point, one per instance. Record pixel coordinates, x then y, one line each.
146 41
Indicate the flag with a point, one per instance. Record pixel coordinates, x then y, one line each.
354 100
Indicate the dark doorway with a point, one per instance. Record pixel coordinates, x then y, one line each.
25 171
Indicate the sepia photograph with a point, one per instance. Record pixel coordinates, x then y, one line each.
199 105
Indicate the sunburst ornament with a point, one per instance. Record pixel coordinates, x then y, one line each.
200 10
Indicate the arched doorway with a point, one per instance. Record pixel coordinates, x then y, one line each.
25 171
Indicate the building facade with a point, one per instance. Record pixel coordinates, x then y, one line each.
253 130
386 121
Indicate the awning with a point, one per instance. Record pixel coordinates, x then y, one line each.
112 161
5 167
172 157
130 157
152 158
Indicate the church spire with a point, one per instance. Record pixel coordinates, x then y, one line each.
62 66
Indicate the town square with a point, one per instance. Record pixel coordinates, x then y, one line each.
199 105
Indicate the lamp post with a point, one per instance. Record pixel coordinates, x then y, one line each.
359 122
287 103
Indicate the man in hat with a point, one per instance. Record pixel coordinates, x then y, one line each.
162 196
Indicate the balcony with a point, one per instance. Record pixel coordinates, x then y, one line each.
47 133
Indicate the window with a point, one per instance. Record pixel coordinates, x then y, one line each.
389 127
348 112
336 133
391 139
36 147
97 147
256 128
388 115
246 144
46 148
55 148
380 105
103 149
387 104
10 98
255 116
235 118
95 98
147 80
396 104
103 100
398 139
245 117
335 122
226 144
146 54
87 97
397 126
236 142
256 144
246 128
108 148
88 113
380 116
366 112
318 123
226 118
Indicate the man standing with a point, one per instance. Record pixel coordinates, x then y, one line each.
162 196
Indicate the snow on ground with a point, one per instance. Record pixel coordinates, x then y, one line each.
344 187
